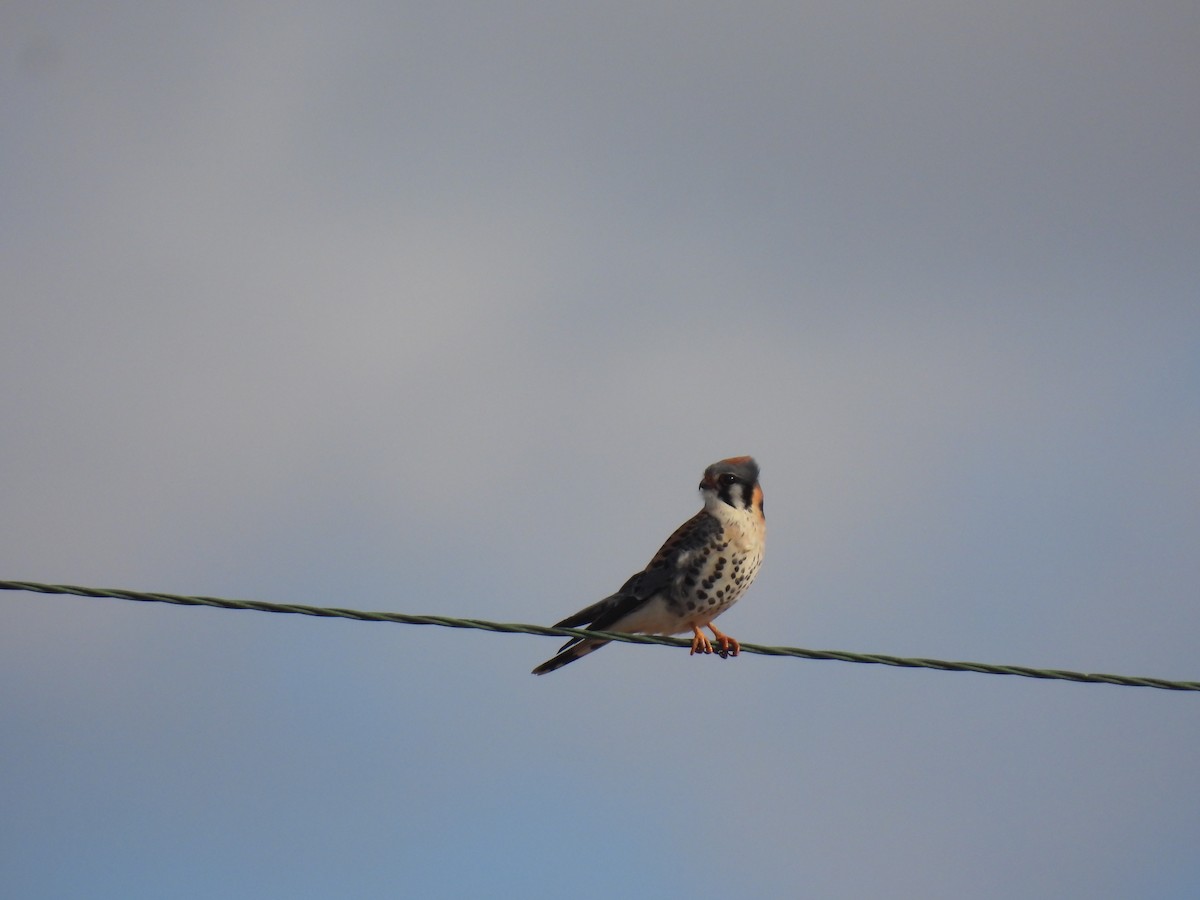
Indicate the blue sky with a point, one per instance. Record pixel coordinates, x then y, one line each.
445 310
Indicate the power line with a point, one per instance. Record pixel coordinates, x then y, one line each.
518 628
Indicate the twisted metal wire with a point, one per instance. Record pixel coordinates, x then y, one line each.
520 628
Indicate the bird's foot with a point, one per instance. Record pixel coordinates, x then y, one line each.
728 646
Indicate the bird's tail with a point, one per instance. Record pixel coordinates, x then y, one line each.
571 651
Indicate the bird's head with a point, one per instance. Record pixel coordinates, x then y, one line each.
733 482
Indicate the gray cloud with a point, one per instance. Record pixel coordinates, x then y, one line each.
437 311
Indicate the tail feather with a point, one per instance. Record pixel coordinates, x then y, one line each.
570 652
600 616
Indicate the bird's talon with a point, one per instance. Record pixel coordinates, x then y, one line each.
729 646
700 644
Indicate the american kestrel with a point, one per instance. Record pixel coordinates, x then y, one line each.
701 571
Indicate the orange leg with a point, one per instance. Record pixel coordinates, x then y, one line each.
700 644
729 646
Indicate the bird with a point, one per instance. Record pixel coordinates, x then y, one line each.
702 570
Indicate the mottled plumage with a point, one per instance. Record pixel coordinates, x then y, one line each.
701 571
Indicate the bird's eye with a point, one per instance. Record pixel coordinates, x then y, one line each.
728 478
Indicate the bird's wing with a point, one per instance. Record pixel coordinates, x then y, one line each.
689 537
657 575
